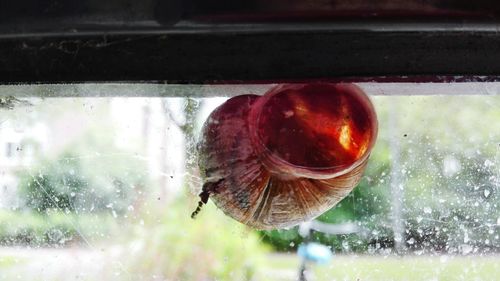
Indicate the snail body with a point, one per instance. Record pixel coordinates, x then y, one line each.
276 160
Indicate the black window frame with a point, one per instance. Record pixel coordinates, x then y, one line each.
161 42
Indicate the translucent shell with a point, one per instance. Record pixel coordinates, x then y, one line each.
276 160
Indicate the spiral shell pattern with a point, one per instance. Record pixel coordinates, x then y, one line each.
277 160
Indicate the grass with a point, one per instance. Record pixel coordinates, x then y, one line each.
277 267
9 261
385 268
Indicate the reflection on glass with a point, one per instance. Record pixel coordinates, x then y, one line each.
339 9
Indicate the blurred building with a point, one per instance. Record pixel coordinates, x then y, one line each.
19 145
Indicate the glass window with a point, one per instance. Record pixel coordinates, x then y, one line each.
113 179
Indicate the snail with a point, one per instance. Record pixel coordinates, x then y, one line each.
286 157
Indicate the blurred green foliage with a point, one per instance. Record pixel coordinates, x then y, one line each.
212 247
53 229
450 163
74 195
80 180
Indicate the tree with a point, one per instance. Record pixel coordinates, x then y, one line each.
72 183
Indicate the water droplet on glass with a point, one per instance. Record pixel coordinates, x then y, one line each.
487 193
488 163
466 249
466 238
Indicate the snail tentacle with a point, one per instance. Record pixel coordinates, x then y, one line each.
207 189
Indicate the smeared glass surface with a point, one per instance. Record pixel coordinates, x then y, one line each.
102 189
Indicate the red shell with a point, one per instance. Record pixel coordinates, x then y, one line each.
276 160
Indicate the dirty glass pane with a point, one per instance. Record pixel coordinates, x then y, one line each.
102 186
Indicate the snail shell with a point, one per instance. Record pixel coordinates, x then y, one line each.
277 160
